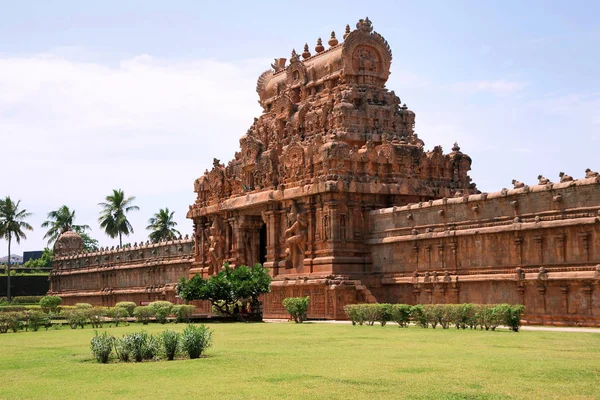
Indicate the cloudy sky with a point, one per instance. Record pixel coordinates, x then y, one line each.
141 95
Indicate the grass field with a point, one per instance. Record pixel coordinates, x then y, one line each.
329 361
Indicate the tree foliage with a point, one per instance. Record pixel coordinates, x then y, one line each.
59 221
112 217
89 243
45 261
162 226
12 225
228 288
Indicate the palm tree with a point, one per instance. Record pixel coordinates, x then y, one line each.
60 221
11 226
163 226
112 217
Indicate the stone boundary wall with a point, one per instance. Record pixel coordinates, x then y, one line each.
139 273
538 246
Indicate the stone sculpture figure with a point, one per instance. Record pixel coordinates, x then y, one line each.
517 184
542 180
564 177
216 250
296 236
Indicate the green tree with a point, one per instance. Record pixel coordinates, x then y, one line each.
162 226
60 221
12 225
89 243
45 261
112 217
228 288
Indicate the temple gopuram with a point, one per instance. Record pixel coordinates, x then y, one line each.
335 193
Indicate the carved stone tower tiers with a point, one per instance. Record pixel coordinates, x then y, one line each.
332 144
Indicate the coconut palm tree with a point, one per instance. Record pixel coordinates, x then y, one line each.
60 221
12 225
162 226
112 217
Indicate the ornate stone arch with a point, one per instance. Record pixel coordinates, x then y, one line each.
293 160
296 73
283 107
366 52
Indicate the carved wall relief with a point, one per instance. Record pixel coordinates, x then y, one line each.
216 239
296 236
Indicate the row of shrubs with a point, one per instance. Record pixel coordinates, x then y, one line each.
139 346
21 300
462 316
83 313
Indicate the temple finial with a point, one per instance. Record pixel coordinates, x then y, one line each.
319 47
347 31
306 52
333 40
294 56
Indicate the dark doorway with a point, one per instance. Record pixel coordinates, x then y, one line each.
263 244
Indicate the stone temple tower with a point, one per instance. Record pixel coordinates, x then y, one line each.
332 144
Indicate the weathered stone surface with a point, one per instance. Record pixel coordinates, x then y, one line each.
143 273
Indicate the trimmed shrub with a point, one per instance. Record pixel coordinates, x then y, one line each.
143 314
183 312
128 305
401 315
512 316
4 322
96 316
297 307
356 313
14 321
101 346
117 314
170 343
161 310
50 303
36 319
76 318
445 315
419 316
26 300
196 339
385 313
371 313
83 306
464 315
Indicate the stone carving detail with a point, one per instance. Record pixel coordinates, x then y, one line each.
565 178
365 60
216 239
543 180
296 236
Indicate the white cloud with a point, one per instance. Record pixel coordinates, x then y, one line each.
76 130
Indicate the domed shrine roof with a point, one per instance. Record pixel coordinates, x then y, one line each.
67 243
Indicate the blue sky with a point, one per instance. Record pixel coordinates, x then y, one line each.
142 94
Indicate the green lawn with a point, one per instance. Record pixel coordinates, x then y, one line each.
286 360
